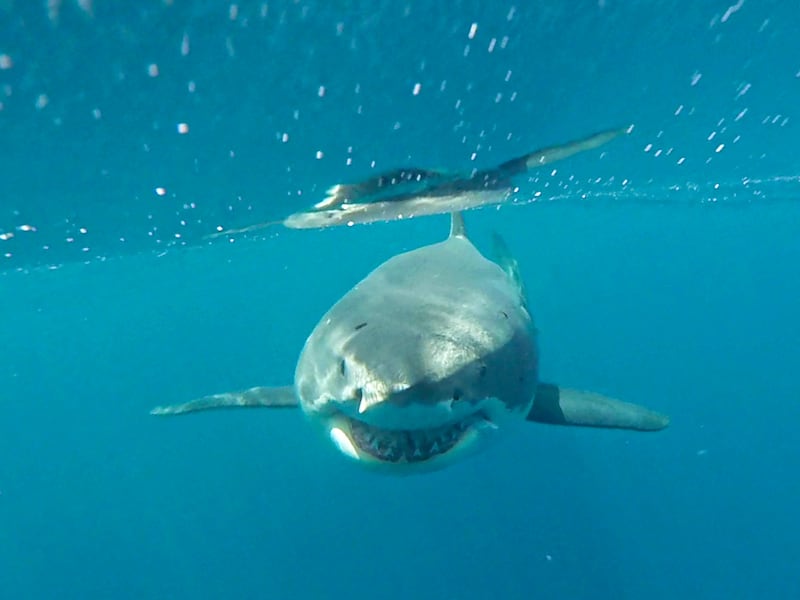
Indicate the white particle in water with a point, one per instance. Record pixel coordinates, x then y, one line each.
473 29
743 90
731 9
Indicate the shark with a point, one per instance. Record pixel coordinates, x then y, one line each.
426 360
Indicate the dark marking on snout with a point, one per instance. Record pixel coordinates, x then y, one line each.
360 326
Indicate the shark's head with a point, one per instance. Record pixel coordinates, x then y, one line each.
410 379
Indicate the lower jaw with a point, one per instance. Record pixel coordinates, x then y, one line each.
351 438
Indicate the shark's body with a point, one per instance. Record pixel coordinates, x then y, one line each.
430 355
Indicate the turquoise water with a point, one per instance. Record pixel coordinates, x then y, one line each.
662 269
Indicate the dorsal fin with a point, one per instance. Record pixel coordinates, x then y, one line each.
457 228
509 264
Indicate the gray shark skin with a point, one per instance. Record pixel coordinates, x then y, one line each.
425 360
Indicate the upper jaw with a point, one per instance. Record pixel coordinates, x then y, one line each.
401 413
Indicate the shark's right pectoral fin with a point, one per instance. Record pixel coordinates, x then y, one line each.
564 406
257 397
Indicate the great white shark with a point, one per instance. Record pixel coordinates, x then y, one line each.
430 356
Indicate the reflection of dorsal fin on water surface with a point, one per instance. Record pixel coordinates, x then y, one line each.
411 192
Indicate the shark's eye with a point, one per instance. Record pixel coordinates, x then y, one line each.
343 367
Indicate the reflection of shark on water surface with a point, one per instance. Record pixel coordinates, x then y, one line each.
412 192
432 354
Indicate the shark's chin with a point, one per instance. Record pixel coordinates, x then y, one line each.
402 451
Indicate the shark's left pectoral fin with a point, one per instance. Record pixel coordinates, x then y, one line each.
257 397
563 406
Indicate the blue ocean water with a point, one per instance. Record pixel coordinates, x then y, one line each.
663 269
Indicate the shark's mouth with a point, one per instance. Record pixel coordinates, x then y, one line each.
409 445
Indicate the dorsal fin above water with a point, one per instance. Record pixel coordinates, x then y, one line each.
457 228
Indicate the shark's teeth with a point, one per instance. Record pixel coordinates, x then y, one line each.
415 445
